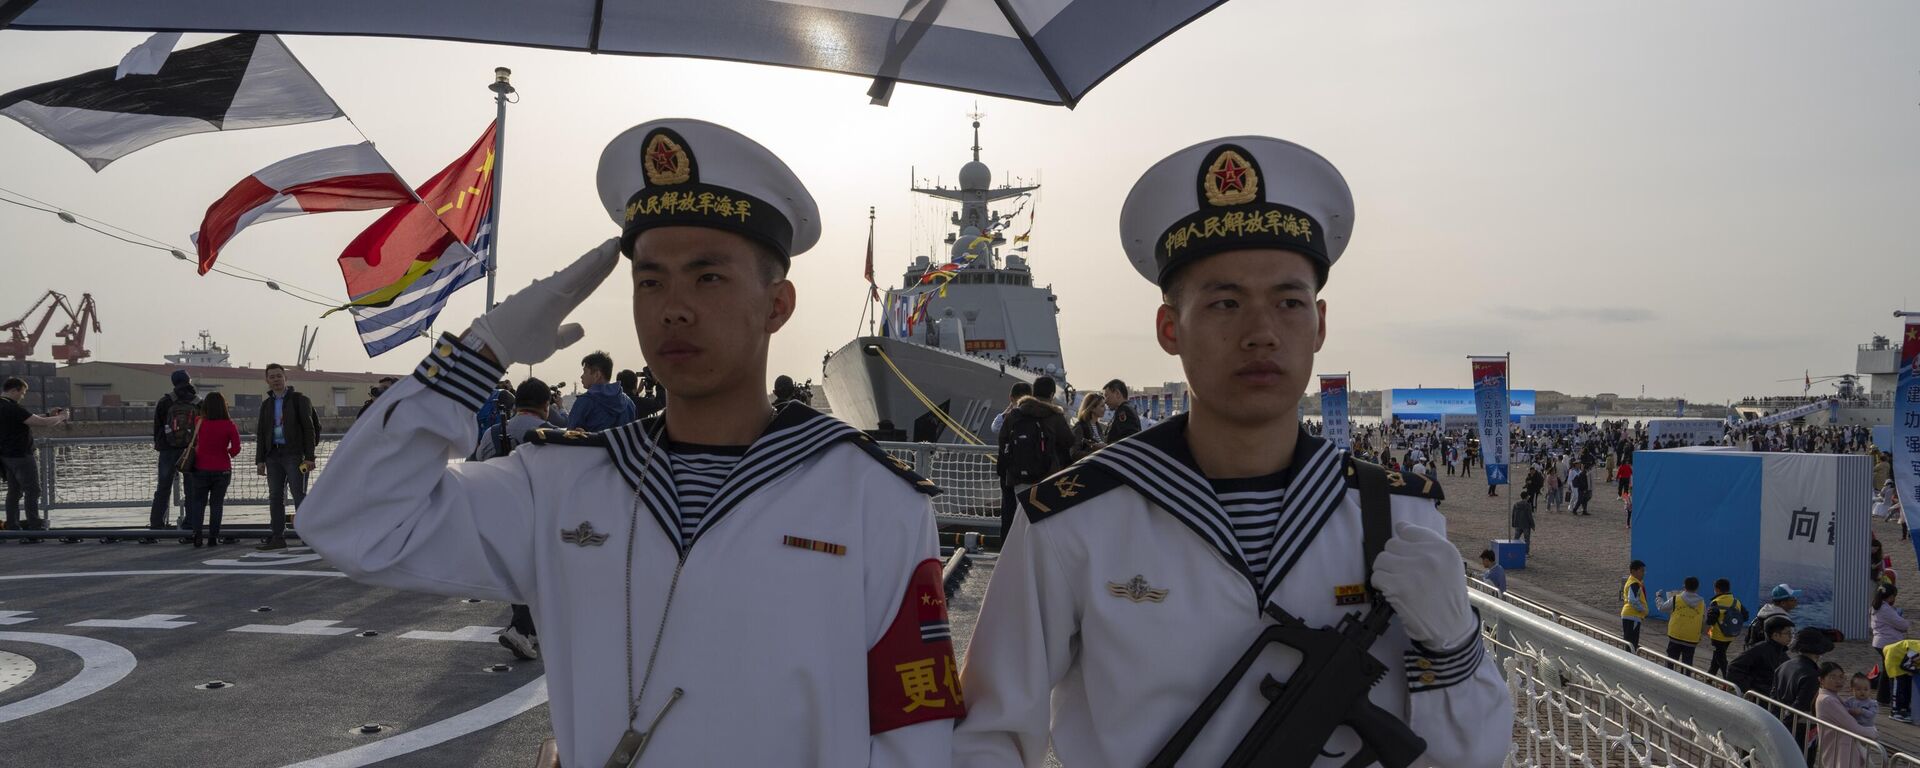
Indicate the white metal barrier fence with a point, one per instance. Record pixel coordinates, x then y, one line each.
1581 702
1821 739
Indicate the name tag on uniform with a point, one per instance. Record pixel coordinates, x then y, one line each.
1350 594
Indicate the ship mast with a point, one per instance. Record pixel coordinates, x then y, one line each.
976 219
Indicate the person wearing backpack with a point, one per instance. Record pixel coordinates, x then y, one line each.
1035 440
530 413
173 419
1780 602
1726 620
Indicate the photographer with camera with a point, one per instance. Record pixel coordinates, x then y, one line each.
374 392
649 396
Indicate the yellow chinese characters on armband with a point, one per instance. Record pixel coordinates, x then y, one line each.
911 674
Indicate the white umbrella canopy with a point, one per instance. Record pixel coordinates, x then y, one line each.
1047 51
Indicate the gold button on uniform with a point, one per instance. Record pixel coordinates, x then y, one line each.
433 371
1424 664
444 350
1427 678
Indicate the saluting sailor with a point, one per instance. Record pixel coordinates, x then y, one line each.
1136 577
722 585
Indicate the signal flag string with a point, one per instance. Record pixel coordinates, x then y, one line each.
89 223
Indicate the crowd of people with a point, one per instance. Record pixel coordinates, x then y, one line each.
1781 660
606 400
1035 438
195 440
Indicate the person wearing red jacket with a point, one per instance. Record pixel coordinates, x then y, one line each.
215 442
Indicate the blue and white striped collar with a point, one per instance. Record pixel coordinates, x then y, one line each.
1159 465
795 434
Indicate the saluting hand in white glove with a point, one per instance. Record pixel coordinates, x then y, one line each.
526 327
1421 576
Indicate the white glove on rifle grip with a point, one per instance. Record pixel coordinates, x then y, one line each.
526 327
1420 574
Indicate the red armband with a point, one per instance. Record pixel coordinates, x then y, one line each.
911 674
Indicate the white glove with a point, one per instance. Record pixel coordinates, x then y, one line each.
526 327
1421 576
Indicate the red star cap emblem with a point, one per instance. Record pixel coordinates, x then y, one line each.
1231 176
662 157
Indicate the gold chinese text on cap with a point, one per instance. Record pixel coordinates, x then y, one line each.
676 195
1231 214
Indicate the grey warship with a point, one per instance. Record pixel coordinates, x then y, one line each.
956 335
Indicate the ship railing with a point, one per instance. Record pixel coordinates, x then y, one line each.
969 484
102 473
121 473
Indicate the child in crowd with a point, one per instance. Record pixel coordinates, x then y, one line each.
1860 702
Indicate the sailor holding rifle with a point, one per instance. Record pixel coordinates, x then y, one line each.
1132 580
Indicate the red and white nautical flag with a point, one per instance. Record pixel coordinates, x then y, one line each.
349 178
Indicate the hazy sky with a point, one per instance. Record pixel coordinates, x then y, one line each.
1700 198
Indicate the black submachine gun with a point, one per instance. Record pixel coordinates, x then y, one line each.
1328 689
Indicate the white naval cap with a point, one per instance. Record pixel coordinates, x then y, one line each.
681 172
1232 194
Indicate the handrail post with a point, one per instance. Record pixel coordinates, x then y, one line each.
48 487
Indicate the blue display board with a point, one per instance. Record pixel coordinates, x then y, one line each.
1431 404
1758 519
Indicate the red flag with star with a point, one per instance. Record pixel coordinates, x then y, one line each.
404 244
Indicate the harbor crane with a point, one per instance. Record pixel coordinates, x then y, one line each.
16 342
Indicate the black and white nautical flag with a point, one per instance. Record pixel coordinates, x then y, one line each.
243 81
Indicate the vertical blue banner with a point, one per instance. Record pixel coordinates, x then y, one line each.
1492 410
1333 411
1680 408
1906 424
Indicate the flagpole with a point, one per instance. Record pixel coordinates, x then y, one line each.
871 289
501 88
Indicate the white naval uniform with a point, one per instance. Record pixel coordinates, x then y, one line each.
768 638
1062 650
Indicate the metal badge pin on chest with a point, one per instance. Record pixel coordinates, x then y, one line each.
583 535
